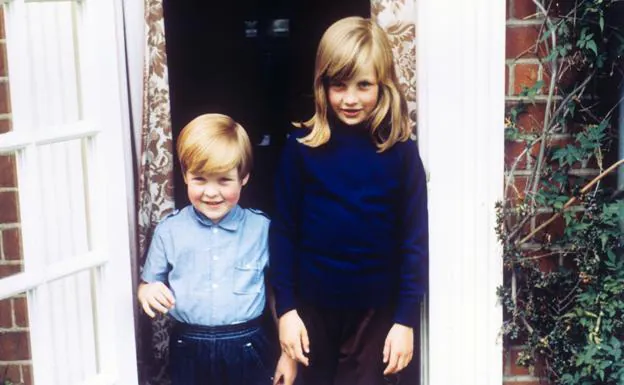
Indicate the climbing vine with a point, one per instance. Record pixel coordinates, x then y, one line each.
561 228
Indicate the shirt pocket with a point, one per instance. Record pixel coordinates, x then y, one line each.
248 278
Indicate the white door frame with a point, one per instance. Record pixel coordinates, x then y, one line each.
96 115
460 49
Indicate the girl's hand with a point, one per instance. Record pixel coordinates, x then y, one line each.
286 371
155 295
294 337
398 349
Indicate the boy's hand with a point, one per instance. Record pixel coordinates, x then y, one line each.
286 371
294 337
398 349
155 295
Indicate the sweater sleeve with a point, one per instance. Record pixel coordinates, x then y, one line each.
415 244
284 227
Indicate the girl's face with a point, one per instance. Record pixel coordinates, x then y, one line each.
354 99
214 195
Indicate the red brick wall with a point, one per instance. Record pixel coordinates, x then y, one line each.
523 69
15 364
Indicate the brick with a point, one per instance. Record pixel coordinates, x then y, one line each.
8 207
12 244
514 368
2 32
6 310
14 346
531 120
550 233
9 270
27 377
5 126
8 177
515 191
3 60
524 9
10 372
20 310
506 80
5 98
520 42
525 75
515 149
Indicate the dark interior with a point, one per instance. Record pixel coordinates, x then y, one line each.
252 60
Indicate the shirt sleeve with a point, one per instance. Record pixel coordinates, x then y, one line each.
284 227
156 266
415 243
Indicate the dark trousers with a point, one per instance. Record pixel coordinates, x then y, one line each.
222 355
346 348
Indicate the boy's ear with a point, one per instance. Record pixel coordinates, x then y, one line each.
244 180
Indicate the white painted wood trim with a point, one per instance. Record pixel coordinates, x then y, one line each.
460 67
22 282
15 140
107 73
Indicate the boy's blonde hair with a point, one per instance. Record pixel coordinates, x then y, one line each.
346 47
213 143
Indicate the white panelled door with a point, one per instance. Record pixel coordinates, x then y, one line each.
67 86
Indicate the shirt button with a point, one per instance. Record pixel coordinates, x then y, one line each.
214 286
215 258
214 230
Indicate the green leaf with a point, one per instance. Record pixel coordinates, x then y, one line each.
591 44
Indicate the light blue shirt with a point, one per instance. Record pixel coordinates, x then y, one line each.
216 271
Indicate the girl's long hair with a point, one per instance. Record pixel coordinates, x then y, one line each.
346 47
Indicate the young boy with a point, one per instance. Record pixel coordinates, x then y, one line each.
205 266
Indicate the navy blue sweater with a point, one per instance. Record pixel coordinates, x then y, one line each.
350 229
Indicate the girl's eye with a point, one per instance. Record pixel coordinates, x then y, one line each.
337 85
365 84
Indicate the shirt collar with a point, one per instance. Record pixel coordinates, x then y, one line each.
229 222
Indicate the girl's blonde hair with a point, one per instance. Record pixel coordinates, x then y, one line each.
214 143
346 47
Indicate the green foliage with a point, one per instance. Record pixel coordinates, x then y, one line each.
564 289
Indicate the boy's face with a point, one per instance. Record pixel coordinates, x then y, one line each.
354 100
214 195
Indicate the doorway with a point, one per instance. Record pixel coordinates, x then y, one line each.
252 60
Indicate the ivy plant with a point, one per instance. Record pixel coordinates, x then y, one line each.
561 229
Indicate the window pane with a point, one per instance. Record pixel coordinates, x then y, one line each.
51 36
71 327
63 200
15 357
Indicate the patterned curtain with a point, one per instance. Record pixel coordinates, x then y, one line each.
397 18
155 186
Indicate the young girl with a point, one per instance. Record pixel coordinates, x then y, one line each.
349 240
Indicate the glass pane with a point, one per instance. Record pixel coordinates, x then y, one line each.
71 328
63 200
51 34
15 357
11 255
